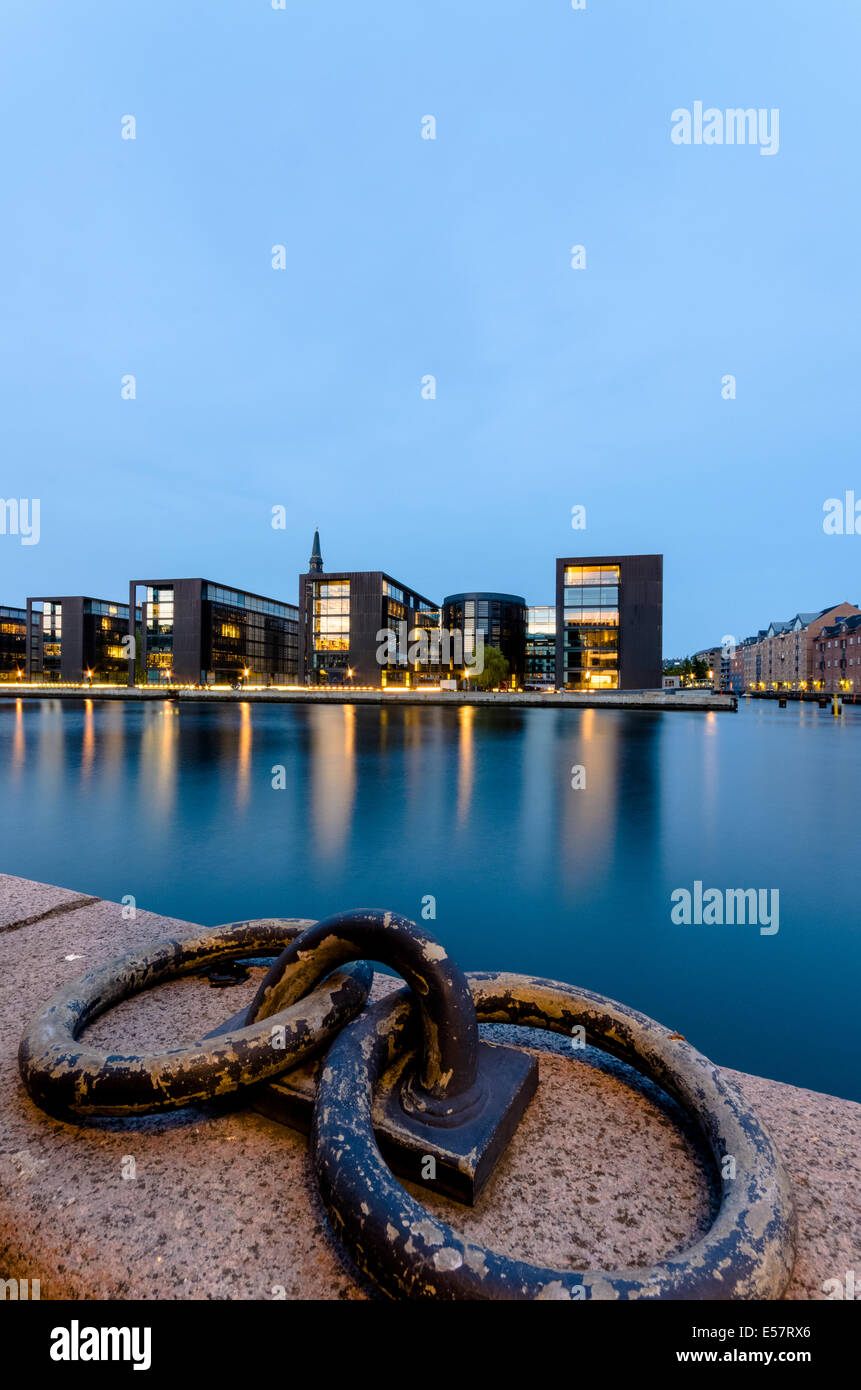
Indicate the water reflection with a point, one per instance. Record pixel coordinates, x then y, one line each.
333 776
19 740
382 806
158 760
465 762
243 770
88 742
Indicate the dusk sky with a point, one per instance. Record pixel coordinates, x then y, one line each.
405 257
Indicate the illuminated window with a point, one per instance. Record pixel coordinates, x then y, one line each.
331 616
591 627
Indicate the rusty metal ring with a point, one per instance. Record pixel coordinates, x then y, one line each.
68 1078
747 1253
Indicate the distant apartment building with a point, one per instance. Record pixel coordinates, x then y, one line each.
75 638
342 614
501 620
540 647
13 643
609 611
785 655
197 632
717 663
736 667
837 657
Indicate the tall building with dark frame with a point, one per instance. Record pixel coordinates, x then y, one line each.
73 637
13 643
343 613
500 617
196 632
609 611
540 647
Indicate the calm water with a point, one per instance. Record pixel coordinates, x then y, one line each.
384 806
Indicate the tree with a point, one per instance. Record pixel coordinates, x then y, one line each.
495 670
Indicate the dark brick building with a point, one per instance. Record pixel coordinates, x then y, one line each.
342 615
73 638
196 632
609 622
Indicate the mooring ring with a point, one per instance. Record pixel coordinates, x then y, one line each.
68 1078
747 1253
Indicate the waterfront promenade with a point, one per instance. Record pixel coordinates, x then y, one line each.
223 1205
615 699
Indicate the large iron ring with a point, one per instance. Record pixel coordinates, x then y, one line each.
748 1252
67 1077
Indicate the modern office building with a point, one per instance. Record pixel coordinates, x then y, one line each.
75 638
13 643
609 613
500 617
196 632
540 671
362 627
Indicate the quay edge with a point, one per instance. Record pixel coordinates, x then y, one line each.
701 700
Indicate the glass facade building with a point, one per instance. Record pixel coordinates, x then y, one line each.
609 636
590 629
196 632
13 643
75 638
364 628
501 618
540 647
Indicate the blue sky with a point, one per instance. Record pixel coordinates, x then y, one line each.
408 257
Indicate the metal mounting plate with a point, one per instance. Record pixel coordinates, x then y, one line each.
464 1156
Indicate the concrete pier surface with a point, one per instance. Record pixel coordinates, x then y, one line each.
284 695
223 1205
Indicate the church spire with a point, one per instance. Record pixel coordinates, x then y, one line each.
315 564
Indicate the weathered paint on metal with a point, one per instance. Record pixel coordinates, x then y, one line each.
69 1078
448 1084
748 1253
